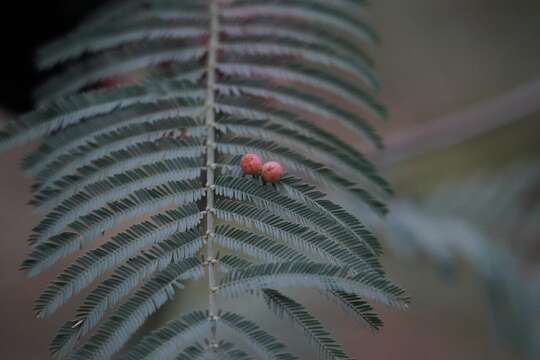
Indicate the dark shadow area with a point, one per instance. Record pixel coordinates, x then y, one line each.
24 27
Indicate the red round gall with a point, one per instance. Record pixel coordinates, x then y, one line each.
272 172
251 164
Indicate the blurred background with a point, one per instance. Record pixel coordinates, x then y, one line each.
461 79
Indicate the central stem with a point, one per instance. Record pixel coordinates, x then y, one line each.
210 163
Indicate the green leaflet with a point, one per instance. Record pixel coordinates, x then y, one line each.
226 351
139 155
264 344
120 247
113 63
118 34
328 348
334 222
308 77
316 275
106 191
320 13
262 46
114 12
283 306
70 163
107 294
254 245
299 237
247 108
170 339
352 304
88 227
125 320
73 109
304 104
82 133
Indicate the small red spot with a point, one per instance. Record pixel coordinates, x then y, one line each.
116 80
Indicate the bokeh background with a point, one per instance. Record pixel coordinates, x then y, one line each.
461 79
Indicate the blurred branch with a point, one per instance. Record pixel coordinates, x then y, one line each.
461 125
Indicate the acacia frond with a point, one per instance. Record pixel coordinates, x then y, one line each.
144 121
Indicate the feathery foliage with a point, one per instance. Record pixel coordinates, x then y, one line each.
141 178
